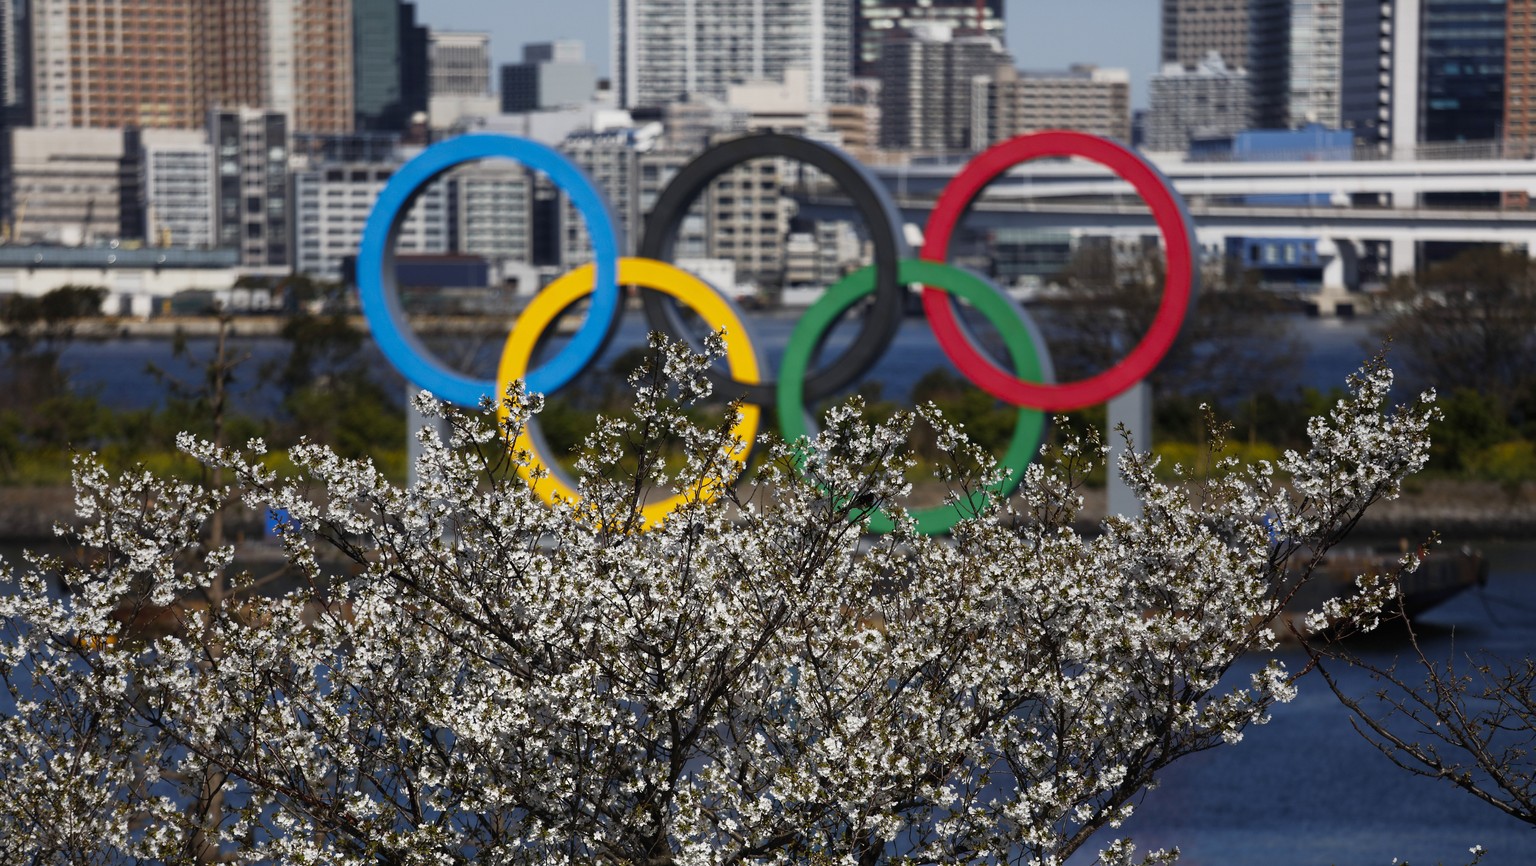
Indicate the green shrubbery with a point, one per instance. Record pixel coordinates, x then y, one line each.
325 391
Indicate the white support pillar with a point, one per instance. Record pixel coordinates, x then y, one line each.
1132 410
414 421
1404 259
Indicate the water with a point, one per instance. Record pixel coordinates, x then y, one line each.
1306 789
117 370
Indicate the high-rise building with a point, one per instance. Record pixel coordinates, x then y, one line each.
1295 63
390 62
1462 70
293 56
111 64
1380 71
1192 29
552 75
929 76
15 74
668 50
251 148
876 19
1085 98
1433 70
165 63
15 88
1208 101
1520 77
460 63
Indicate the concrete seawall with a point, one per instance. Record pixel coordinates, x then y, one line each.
167 327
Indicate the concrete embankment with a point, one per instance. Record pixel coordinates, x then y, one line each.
167 327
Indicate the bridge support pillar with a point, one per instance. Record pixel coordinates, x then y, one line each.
1133 409
1404 260
1340 275
414 421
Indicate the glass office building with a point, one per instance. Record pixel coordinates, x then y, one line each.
1462 78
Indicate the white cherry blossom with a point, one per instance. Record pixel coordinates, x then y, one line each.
460 674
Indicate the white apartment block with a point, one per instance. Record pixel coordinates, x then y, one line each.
491 211
177 187
1208 101
332 203
668 50
1084 98
747 219
67 185
52 75
460 64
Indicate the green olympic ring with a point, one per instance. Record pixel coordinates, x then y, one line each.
1013 324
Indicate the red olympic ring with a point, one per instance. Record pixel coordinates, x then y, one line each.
1179 286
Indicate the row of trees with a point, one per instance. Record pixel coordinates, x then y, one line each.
1464 327
1467 326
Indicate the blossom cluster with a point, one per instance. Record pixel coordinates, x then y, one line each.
457 673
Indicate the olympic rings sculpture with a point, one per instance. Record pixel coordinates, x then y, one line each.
1030 385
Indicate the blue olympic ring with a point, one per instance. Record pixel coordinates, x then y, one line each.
376 267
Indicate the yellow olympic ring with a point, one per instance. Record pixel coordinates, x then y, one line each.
549 303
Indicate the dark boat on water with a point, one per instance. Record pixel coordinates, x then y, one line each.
1440 575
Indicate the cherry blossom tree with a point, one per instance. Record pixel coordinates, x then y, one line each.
461 674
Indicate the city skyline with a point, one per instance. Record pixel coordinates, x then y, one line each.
1041 34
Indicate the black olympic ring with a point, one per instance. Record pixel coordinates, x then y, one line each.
868 195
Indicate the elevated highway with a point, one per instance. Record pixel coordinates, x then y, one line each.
1343 205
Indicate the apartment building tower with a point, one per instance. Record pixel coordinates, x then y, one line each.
929 81
1520 77
667 50
1192 29
460 63
1084 97
112 64
1295 63
250 150
1208 101
876 20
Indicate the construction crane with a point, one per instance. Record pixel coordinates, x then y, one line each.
12 230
